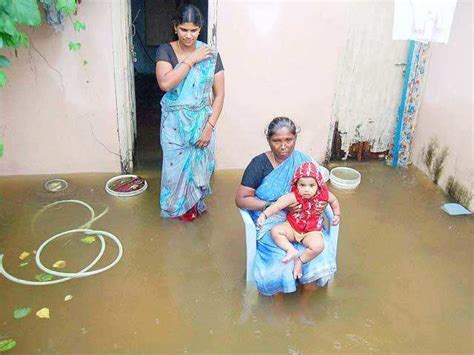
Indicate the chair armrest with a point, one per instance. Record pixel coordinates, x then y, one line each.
329 230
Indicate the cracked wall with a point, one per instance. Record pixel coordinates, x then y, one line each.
59 115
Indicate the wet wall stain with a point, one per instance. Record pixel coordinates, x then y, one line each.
430 152
438 164
336 150
458 192
434 158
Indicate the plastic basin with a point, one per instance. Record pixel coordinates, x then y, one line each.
345 178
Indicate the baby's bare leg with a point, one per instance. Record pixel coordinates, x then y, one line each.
283 234
314 243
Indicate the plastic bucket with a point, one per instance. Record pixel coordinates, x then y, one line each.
345 178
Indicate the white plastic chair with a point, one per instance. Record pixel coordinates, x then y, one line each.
251 238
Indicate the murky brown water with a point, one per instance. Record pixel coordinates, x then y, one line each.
404 283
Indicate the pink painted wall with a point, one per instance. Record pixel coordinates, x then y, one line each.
57 114
446 112
280 59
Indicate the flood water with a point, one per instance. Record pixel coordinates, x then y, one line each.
404 280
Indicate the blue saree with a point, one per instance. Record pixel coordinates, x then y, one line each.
271 274
186 169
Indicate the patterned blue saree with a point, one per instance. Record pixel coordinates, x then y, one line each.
186 169
271 274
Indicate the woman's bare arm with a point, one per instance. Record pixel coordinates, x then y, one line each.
245 198
336 208
218 92
168 78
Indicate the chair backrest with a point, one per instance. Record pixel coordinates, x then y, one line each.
329 230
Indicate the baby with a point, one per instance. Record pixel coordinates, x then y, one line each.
303 226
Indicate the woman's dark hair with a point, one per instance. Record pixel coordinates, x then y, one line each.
279 122
188 13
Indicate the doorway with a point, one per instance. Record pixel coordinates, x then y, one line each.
151 26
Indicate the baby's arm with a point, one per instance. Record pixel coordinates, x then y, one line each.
280 204
335 208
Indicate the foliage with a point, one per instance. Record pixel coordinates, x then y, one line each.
7 344
21 312
15 13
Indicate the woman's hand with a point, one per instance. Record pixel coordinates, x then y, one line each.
336 219
205 136
261 220
295 207
200 54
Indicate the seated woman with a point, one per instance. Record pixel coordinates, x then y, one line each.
266 178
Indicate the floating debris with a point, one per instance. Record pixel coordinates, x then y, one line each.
455 209
21 312
56 185
68 298
24 264
89 240
59 264
43 313
24 255
44 277
7 344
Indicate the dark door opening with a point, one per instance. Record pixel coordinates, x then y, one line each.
152 27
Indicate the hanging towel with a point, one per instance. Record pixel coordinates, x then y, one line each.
423 20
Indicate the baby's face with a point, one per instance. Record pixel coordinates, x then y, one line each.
307 187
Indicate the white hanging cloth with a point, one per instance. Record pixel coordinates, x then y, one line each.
423 20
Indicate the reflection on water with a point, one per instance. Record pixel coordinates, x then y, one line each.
404 281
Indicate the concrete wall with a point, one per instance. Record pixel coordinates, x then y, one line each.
445 122
57 114
280 58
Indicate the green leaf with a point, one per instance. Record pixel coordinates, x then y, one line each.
67 7
44 277
4 61
46 2
7 24
23 264
74 46
78 26
3 79
7 344
23 39
21 312
89 240
25 12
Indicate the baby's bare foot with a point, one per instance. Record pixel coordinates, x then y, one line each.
298 270
290 255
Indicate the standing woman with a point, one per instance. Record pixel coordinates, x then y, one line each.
188 71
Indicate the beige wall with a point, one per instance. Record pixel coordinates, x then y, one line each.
447 106
58 115
280 58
